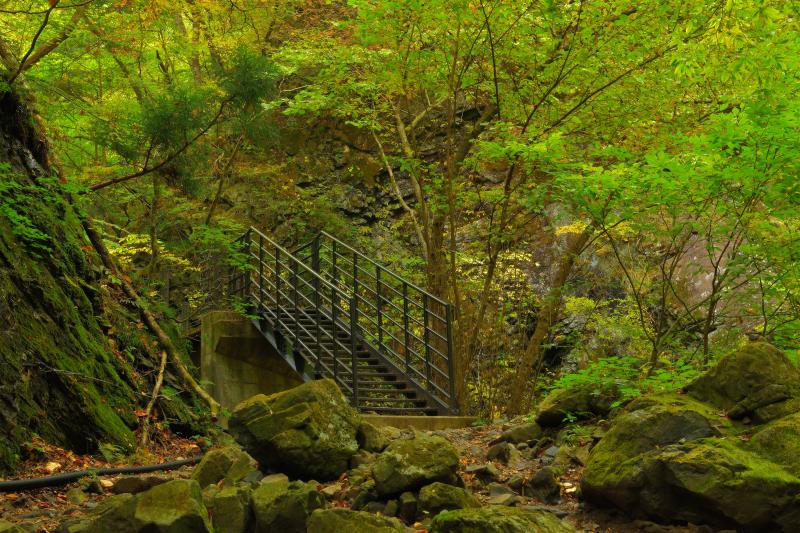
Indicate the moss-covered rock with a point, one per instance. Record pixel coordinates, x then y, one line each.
8 527
230 510
371 438
228 462
675 458
499 519
779 442
408 464
173 507
438 497
527 432
308 431
584 400
345 520
748 381
285 506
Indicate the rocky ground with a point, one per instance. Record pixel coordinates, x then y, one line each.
722 454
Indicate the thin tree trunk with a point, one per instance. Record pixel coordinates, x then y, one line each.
150 320
548 314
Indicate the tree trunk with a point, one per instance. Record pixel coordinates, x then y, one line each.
530 361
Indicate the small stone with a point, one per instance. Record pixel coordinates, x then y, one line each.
76 496
506 453
496 489
274 478
516 483
485 472
502 499
544 486
366 493
136 484
371 438
392 508
253 478
374 507
408 506
332 490
522 433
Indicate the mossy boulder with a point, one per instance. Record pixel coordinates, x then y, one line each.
8 527
285 506
527 432
750 382
409 464
583 400
371 438
345 520
307 432
675 458
438 497
228 462
173 507
230 510
499 519
779 442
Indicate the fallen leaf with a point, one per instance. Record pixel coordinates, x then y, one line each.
52 467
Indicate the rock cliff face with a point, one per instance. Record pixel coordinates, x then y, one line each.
60 375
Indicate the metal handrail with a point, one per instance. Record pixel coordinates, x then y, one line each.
408 328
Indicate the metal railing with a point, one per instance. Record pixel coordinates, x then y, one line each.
332 302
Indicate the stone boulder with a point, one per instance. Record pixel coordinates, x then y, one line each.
585 400
409 464
307 432
285 506
172 507
495 519
230 510
779 441
675 458
757 381
228 462
345 520
438 497
526 433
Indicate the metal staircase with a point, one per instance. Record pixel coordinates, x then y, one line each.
330 311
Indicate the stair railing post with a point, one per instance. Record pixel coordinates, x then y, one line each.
296 320
277 288
260 273
247 296
378 307
317 316
353 345
450 377
406 333
426 336
334 336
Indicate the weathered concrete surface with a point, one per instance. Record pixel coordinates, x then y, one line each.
423 423
236 362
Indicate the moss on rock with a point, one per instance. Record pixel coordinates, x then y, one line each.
409 464
499 519
345 520
308 431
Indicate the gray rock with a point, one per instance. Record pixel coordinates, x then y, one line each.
136 484
485 472
307 432
285 507
229 462
349 521
230 510
408 464
544 486
522 433
407 506
438 497
496 519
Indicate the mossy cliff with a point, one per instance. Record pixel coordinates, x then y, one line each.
61 376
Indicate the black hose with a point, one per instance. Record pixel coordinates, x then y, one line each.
68 477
